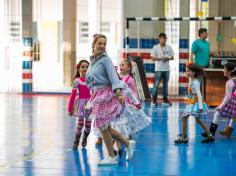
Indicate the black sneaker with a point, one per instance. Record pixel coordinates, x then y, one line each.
181 140
204 134
208 139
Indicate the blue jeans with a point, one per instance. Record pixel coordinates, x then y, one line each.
164 75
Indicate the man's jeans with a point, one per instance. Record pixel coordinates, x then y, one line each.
164 75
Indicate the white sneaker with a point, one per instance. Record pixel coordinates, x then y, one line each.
108 161
153 104
130 150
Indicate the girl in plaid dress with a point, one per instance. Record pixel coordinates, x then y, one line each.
106 100
79 97
227 109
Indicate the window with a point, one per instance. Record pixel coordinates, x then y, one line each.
83 32
105 27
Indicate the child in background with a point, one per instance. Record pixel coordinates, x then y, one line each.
195 104
126 76
227 108
83 95
139 120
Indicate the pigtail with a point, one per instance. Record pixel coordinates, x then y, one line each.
77 75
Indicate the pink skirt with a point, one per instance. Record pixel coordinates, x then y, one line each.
105 107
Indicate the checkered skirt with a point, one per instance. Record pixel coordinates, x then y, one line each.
105 107
229 110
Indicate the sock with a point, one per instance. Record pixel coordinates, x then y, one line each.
231 123
216 118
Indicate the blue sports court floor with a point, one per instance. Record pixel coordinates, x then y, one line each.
36 136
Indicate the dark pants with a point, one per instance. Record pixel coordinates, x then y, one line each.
164 75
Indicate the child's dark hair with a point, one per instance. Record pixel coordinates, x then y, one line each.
198 71
77 74
201 31
231 67
130 65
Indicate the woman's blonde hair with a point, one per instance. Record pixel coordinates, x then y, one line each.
96 37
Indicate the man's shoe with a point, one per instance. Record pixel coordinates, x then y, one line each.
166 101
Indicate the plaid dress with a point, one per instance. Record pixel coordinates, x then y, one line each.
106 107
229 110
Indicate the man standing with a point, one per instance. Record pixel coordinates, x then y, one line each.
201 49
161 54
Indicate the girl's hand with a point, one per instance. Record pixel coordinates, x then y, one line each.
217 108
121 99
138 106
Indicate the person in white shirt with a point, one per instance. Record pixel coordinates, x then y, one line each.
161 54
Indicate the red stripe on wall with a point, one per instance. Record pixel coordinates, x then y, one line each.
183 56
27 76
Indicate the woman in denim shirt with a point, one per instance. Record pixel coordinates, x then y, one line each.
106 99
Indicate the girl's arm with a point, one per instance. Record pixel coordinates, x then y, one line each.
228 92
72 97
129 93
132 85
199 94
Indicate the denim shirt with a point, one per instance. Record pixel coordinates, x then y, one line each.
101 73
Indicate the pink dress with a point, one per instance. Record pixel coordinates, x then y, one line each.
132 86
83 95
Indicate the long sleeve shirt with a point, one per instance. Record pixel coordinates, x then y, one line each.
79 88
195 87
101 73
